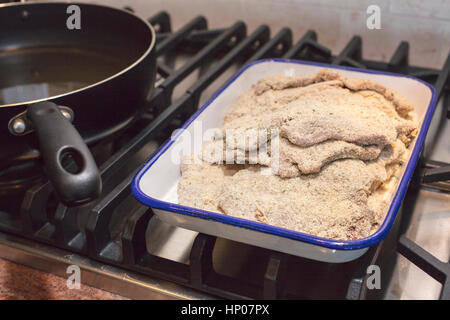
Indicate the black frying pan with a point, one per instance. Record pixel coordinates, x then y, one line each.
61 88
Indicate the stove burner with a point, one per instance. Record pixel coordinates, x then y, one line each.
16 178
87 230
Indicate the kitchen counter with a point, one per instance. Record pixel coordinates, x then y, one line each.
18 282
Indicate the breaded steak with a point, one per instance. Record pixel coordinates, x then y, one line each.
317 154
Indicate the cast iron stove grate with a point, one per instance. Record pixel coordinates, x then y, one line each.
87 230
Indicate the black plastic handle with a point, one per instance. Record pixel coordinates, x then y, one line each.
60 144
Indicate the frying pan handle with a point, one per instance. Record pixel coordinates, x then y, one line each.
60 144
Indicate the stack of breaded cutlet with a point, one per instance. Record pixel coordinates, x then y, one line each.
332 146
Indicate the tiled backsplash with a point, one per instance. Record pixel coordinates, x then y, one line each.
425 24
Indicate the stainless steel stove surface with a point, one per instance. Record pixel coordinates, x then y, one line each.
122 247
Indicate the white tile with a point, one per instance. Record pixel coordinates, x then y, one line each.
429 40
429 8
346 4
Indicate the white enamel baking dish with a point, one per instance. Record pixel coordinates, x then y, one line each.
155 185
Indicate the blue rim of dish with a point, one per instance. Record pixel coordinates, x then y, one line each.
379 235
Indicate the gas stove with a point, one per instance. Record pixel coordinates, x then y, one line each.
122 247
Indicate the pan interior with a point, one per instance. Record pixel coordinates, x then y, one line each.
42 72
41 58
